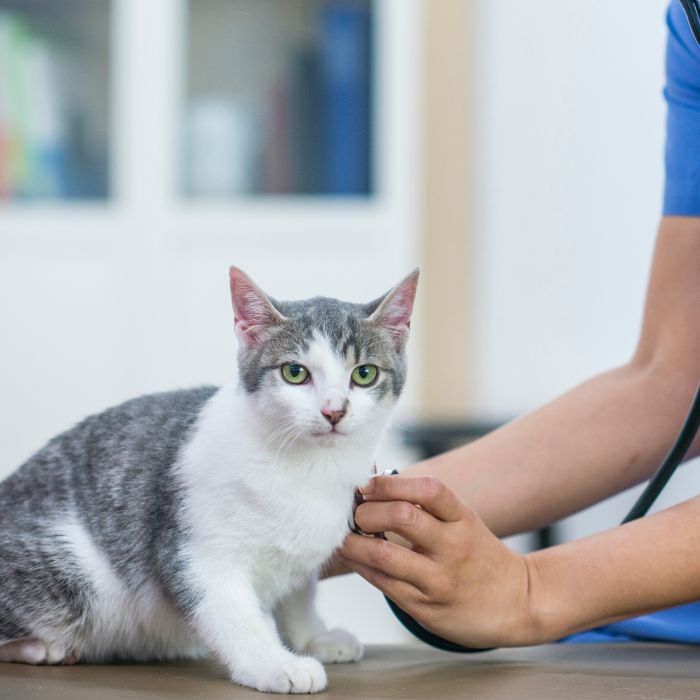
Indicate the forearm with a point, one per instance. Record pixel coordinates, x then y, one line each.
605 435
646 565
596 440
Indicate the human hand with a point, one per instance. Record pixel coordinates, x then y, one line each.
456 578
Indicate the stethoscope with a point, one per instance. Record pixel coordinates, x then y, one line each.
640 508
653 489
692 12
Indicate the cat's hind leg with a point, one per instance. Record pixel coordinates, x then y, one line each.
33 651
36 605
23 651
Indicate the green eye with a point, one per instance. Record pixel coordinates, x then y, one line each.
364 375
294 373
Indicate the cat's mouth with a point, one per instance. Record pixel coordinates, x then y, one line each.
328 434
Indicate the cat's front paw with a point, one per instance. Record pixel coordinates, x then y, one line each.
335 647
294 674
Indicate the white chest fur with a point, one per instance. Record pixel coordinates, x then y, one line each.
251 511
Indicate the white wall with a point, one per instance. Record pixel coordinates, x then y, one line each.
569 132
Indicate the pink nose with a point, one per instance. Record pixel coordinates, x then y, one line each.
333 414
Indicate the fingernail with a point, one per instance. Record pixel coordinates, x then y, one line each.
368 487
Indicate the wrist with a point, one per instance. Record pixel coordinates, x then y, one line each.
528 624
516 618
551 611
536 626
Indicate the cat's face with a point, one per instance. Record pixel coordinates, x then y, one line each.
322 371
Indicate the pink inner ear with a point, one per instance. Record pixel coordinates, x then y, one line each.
398 311
253 311
395 311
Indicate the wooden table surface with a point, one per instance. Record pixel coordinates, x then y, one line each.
556 672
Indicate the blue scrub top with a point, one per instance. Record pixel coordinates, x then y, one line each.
681 198
682 93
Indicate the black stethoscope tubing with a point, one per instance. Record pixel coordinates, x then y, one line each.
692 12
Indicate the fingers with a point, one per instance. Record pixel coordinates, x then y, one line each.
429 493
388 559
410 522
404 594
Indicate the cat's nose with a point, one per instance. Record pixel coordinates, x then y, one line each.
333 413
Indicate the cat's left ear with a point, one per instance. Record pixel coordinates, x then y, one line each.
253 311
394 310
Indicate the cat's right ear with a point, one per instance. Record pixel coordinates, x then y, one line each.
253 312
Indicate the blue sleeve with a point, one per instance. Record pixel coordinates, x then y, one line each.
682 93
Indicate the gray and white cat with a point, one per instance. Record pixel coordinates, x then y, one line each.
196 521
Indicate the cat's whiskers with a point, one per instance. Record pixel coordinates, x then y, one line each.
285 434
288 440
280 430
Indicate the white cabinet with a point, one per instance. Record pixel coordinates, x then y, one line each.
105 297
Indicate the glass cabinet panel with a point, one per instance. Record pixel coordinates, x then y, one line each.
278 98
54 102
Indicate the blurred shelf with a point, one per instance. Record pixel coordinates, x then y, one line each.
321 214
257 222
317 213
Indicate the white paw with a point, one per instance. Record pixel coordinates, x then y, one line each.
294 674
335 647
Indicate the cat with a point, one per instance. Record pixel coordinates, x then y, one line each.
197 521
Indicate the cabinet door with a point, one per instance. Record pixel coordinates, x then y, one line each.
54 99
278 98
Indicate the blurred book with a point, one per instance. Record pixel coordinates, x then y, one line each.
306 113
278 171
221 141
5 114
345 97
45 137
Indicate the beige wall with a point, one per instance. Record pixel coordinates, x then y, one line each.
446 384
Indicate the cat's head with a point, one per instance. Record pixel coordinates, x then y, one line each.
322 371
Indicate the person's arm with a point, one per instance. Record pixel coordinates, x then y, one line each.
461 582
601 437
647 565
606 434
